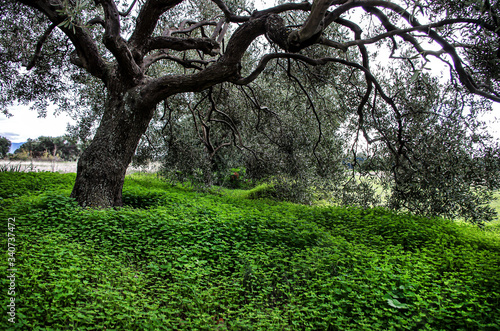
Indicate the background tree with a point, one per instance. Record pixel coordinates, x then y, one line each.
4 146
279 128
438 159
64 147
176 46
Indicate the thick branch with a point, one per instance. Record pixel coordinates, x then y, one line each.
148 19
222 33
116 44
303 6
206 45
218 28
277 32
186 63
464 77
87 51
226 68
112 18
308 34
313 25
231 17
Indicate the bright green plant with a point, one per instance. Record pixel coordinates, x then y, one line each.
174 259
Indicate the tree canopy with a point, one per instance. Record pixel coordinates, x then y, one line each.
128 63
64 147
4 146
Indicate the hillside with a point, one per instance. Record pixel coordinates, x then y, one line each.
173 259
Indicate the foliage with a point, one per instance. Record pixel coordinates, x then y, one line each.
484 53
439 138
4 146
21 155
495 224
62 147
15 184
175 259
47 81
276 137
281 101
285 188
433 156
237 177
304 157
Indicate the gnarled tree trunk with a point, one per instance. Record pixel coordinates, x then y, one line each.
102 167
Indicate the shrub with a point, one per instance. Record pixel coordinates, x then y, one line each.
21 156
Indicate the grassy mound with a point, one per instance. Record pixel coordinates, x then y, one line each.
173 259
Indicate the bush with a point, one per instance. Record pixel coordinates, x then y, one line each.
236 178
21 156
282 188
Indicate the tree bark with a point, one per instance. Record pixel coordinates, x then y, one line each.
102 167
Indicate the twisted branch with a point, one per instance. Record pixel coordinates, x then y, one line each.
39 45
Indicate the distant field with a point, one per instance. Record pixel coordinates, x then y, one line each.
61 167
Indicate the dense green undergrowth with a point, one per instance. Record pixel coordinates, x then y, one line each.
174 259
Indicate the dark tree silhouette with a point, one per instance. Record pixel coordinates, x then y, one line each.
4 146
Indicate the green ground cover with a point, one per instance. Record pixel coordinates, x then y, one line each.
173 259
495 224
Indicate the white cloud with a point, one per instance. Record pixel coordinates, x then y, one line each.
26 124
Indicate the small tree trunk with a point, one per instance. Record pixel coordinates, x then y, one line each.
102 166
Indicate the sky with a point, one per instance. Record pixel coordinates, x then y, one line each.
26 124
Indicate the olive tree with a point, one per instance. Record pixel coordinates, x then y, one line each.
147 51
437 159
291 133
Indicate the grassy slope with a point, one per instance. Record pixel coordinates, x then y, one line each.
495 225
174 259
